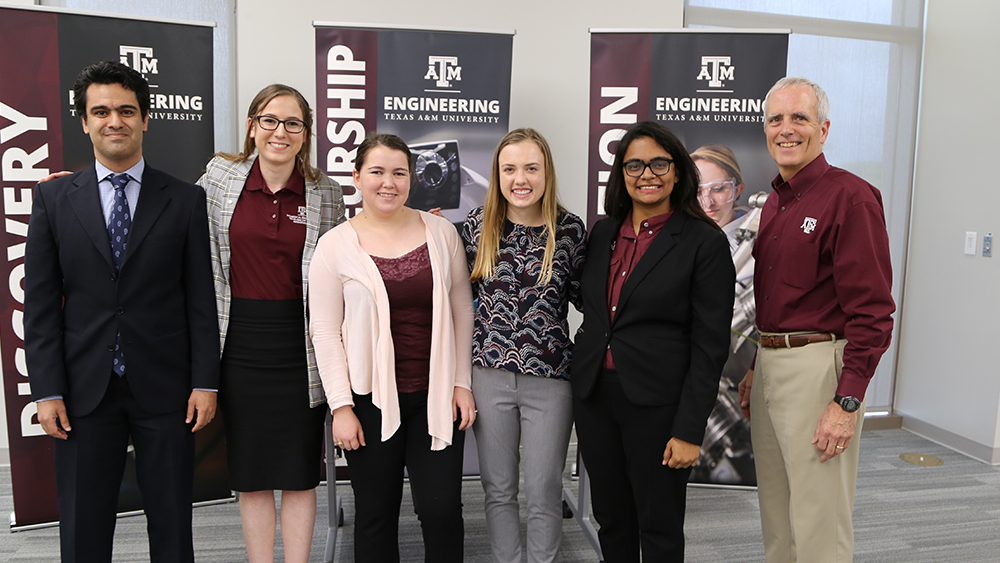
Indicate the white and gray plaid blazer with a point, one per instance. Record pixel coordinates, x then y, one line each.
223 182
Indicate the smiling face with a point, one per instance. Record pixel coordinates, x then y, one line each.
278 148
115 125
522 181
384 181
650 193
717 192
795 136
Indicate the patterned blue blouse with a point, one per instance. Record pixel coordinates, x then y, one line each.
522 327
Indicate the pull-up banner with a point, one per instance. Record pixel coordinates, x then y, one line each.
708 88
446 93
41 52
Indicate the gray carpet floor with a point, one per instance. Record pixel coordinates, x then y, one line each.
903 513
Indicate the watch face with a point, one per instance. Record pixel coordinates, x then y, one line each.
850 404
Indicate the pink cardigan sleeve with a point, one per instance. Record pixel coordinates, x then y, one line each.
326 317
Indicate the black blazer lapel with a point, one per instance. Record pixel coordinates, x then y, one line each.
153 199
599 254
86 202
662 244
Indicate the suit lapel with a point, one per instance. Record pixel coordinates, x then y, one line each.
86 202
599 252
153 199
662 244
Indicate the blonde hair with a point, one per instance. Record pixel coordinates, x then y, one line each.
722 157
258 104
495 211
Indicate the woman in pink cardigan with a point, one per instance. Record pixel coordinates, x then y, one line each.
391 320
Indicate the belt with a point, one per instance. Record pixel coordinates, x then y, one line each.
796 340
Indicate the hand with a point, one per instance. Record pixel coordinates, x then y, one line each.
55 175
680 454
52 416
436 211
835 428
201 408
745 393
463 403
347 432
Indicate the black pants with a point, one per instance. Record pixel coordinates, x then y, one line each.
377 479
89 468
638 501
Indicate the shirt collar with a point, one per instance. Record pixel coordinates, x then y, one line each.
255 181
805 179
654 223
135 172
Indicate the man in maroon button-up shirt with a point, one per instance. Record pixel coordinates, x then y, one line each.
822 266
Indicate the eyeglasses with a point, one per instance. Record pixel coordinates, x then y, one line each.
719 191
659 166
270 123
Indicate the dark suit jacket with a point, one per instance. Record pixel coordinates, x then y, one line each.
670 335
162 300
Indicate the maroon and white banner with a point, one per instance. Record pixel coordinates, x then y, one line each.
446 93
41 52
708 88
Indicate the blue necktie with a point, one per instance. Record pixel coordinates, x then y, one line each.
118 228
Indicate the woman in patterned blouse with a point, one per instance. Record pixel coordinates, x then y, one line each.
526 253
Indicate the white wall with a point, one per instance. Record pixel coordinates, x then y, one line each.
948 374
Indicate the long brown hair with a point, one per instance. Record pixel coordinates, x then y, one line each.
495 211
258 104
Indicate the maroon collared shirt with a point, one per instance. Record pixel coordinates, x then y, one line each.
627 250
822 264
266 237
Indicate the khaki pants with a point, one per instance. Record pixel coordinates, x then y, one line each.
805 505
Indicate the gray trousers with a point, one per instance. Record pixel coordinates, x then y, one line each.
536 413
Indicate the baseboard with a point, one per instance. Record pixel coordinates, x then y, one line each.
4 456
951 440
891 421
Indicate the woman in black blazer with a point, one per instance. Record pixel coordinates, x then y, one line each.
658 290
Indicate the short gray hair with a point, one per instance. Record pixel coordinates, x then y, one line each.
822 102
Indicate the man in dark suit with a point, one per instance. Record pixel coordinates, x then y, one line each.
120 326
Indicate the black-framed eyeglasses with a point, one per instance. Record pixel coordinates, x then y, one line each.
270 123
659 166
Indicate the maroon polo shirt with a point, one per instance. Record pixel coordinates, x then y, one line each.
823 265
628 249
266 236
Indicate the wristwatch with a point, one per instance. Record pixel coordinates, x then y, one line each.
848 403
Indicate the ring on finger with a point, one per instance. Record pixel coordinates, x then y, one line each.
840 447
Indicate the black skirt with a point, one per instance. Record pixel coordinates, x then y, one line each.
274 440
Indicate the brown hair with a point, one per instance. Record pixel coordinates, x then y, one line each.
722 157
388 141
258 104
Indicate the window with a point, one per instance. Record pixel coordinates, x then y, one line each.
866 55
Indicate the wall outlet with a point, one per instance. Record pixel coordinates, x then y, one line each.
970 243
988 245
